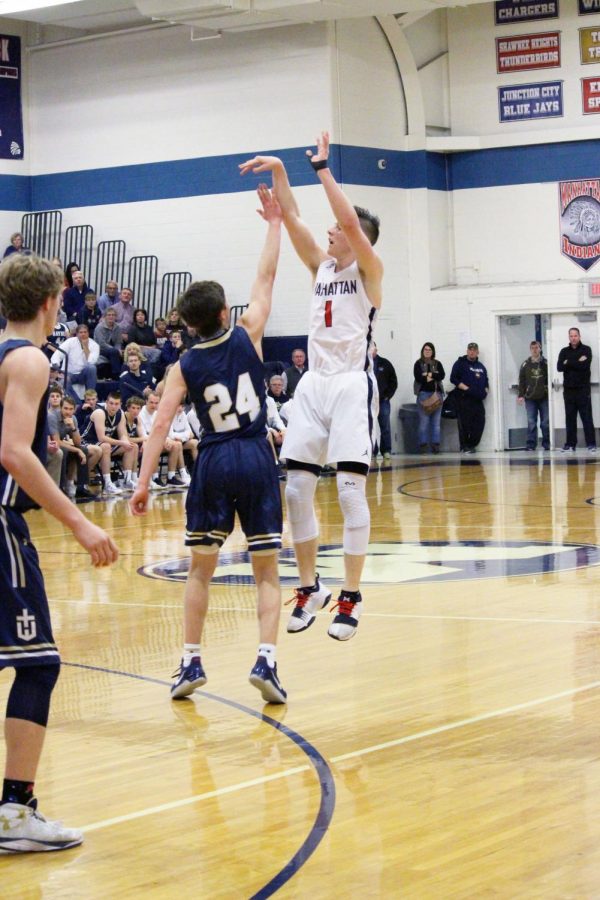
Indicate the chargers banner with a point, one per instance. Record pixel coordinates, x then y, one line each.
11 119
510 11
580 221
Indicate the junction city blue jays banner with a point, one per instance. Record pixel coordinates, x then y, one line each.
11 119
580 221
509 11
519 102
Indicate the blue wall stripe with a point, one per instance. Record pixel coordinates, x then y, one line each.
204 176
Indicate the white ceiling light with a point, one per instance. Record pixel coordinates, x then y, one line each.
14 7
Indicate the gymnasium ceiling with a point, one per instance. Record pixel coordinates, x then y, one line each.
207 16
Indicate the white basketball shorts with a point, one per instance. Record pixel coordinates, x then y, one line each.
332 419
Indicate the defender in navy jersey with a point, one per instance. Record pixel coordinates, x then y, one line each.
30 299
335 404
236 469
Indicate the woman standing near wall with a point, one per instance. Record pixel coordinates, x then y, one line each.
429 375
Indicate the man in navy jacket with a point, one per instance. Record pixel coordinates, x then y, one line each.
472 385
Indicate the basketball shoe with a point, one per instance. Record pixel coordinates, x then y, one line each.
308 602
188 678
24 830
345 623
265 679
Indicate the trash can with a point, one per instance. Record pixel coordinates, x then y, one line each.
409 422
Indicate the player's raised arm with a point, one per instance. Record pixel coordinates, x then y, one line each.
369 263
259 308
304 243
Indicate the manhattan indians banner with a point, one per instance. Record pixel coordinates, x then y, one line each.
580 221
11 119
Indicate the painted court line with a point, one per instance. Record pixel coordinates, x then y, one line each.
365 751
373 615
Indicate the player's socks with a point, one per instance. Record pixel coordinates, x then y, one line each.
107 480
269 651
171 474
17 791
189 651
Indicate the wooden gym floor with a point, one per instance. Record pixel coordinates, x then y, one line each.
449 750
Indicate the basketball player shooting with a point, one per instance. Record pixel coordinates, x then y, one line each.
336 401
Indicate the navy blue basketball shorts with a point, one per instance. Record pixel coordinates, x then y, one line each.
237 475
25 631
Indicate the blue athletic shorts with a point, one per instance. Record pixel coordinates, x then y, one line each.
237 475
25 631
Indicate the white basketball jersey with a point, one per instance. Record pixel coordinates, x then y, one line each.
341 322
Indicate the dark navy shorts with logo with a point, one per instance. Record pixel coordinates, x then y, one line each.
237 475
25 631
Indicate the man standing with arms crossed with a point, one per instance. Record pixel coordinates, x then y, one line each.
335 402
235 472
29 296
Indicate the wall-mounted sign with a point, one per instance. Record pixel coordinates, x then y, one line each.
580 221
11 119
508 11
518 102
590 95
589 45
588 7
528 51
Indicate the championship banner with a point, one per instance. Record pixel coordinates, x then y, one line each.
508 11
590 95
519 102
528 51
580 221
589 45
588 7
11 119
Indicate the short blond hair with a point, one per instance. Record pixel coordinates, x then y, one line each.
26 282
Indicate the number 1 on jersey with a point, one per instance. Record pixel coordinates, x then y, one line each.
328 314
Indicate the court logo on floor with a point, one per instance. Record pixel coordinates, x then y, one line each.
391 562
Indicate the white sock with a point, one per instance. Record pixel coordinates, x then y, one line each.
269 651
183 474
107 480
127 475
171 474
189 651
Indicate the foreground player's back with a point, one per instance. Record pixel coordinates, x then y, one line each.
225 380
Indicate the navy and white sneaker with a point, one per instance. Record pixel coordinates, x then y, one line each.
308 602
265 679
345 623
188 678
24 830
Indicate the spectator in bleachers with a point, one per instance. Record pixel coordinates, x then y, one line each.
182 436
85 410
133 408
90 315
77 454
16 245
170 353
124 310
174 322
136 379
71 267
160 332
109 297
194 421
107 428
143 334
145 420
295 371
55 454
82 355
110 340
74 297
276 391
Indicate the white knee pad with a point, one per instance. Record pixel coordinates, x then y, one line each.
299 495
355 510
